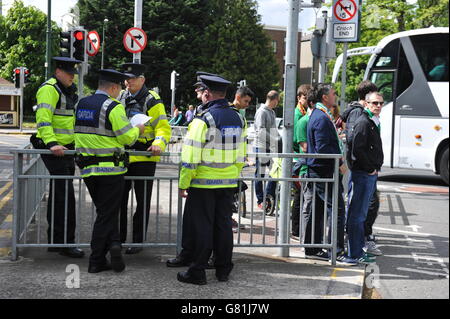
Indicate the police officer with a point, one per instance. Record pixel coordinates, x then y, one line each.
138 99
185 258
101 131
56 99
212 159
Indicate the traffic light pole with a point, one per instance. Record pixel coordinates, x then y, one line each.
22 84
49 40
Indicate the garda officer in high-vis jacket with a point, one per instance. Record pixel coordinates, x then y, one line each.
102 129
138 99
56 99
212 159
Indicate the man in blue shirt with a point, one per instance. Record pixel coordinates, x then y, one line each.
323 139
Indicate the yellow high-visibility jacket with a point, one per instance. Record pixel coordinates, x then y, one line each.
158 132
55 113
214 148
101 130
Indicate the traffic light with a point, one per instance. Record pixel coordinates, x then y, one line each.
79 45
26 75
177 80
65 44
16 77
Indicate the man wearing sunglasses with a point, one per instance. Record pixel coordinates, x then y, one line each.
365 158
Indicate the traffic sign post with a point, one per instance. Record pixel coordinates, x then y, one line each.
135 40
346 28
93 43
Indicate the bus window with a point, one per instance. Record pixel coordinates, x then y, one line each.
432 51
388 58
385 83
405 76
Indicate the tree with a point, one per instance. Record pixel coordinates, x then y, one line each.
239 48
23 43
219 36
431 13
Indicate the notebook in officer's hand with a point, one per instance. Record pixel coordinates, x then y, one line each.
140 119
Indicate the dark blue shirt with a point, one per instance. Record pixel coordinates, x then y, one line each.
322 139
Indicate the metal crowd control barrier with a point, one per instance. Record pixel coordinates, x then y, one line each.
255 229
31 184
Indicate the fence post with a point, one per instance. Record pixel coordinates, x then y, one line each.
18 168
335 211
179 215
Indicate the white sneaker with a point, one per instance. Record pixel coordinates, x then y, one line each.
371 248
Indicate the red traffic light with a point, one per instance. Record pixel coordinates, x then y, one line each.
17 71
79 35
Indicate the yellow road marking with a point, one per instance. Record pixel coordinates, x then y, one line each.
5 188
9 218
5 251
6 199
5 233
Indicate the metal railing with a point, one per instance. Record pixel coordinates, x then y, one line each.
255 228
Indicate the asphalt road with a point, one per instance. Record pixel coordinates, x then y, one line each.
413 232
412 228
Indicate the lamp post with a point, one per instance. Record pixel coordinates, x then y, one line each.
103 44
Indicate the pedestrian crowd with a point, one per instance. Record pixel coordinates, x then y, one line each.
99 128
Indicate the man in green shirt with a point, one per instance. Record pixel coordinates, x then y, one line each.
302 111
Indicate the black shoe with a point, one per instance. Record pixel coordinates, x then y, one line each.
93 269
72 252
222 278
177 262
133 250
187 278
53 249
117 263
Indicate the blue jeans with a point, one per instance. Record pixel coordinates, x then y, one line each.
260 173
362 189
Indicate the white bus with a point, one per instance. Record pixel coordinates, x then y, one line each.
411 69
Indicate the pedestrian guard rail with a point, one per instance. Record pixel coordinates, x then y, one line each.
254 226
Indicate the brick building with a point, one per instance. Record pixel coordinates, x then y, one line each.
277 37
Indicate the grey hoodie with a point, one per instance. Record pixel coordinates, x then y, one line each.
266 131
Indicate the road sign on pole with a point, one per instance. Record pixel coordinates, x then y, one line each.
135 40
93 45
346 26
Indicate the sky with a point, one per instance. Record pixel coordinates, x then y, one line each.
273 12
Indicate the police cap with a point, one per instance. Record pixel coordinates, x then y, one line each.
68 65
112 76
134 70
214 83
199 82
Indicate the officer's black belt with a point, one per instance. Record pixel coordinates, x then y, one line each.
84 161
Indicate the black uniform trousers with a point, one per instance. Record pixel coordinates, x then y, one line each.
106 192
143 190
211 212
64 166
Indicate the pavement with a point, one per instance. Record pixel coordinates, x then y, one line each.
258 273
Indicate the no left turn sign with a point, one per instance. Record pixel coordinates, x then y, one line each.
93 45
135 40
345 10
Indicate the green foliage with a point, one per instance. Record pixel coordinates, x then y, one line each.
23 43
381 18
219 36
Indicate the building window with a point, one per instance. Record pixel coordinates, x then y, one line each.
274 46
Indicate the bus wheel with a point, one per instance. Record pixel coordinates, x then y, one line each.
443 165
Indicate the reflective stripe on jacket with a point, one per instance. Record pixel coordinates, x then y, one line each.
102 129
158 130
214 148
